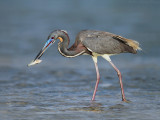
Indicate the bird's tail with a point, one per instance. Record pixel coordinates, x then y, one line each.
134 44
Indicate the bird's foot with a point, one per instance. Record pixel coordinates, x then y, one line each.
127 101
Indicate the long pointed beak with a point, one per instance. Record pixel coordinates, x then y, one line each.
46 46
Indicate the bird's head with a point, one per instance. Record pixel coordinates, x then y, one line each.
50 40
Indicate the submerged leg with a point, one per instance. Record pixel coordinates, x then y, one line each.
119 75
98 77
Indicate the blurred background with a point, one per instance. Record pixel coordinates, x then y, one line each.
24 27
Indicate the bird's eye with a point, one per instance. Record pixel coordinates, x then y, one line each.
52 37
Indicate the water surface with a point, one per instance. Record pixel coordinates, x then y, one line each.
61 88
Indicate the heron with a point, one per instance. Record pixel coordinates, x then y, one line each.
94 43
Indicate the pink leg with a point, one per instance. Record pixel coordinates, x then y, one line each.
98 78
120 79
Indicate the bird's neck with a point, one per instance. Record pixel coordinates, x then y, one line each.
63 46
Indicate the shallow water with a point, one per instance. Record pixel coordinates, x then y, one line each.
66 94
61 88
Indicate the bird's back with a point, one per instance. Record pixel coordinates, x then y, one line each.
106 43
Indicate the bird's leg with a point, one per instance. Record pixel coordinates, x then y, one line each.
120 79
98 77
105 56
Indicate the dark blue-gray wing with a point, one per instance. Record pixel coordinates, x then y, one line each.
103 42
103 45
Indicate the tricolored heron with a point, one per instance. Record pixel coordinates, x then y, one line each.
94 43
